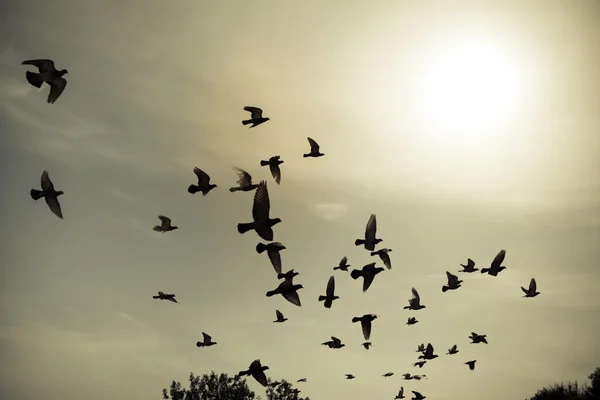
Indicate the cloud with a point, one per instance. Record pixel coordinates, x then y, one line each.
330 211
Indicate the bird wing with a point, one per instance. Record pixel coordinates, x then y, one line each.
385 257
278 314
498 259
260 377
314 146
244 178
276 172
203 177
336 341
452 279
367 281
470 263
453 348
261 206
54 206
330 286
292 296
275 258
532 285
416 298
401 391
47 185
57 86
366 328
371 229
429 350
166 221
344 261
43 65
206 337
255 112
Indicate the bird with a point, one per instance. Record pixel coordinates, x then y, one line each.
280 317
206 342
244 181
407 377
288 290
470 267
350 376
387 374
418 396
400 394
415 302
314 149
272 250
420 363
419 377
49 194
370 232
204 184
453 282
366 345
365 322
475 338
166 296
452 350
368 273
329 296
256 117
385 257
165 225
532 291
421 348
301 380
334 343
273 164
257 372
343 265
49 74
263 225
411 321
288 275
428 354
471 364
496 265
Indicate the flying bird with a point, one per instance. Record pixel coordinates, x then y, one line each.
452 350
206 341
365 322
49 74
496 265
415 302
256 117
400 394
329 295
385 257
370 232
350 376
257 372
49 194
166 296
288 276
366 345
419 377
244 181
204 184
343 265
418 396
314 149
420 363
470 267
453 282
272 250
334 343
301 380
387 374
411 321
475 338
165 225
471 364
273 164
288 290
368 273
428 354
407 377
532 291
421 348
280 317
263 225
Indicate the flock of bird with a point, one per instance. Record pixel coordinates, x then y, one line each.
263 225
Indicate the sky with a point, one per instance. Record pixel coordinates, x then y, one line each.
466 127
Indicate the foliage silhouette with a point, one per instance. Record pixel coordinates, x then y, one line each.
571 390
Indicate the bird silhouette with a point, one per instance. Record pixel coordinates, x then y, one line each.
417 396
280 317
532 291
166 296
314 149
334 343
428 354
272 250
411 321
256 117
365 322
301 380
288 275
273 164
204 184
49 74
453 282
263 225
257 372
420 363
370 232
471 364
350 376
165 225
366 345
400 394
452 350
470 267
419 377
415 302
407 377
421 348
385 257
288 290
244 181
475 338
329 294
49 194
343 265
387 374
206 341
496 265
368 273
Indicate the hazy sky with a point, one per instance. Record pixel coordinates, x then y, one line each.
466 128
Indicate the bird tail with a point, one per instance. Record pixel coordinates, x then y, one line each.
243 373
156 297
193 189
322 298
36 194
34 79
306 155
157 228
245 227
358 242
199 344
334 268
263 163
356 273
260 248
246 121
271 293
355 319
234 189
484 270
444 288
373 253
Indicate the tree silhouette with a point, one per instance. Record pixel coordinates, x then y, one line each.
571 390
284 391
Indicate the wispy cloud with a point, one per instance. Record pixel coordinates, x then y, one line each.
330 211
